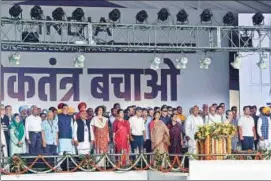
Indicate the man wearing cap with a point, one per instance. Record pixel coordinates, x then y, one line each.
5 124
264 129
23 113
138 133
33 131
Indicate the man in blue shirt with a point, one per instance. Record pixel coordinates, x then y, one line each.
164 115
49 134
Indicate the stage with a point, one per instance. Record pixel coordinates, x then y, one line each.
130 175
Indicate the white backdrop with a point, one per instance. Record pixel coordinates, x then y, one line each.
194 85
255 85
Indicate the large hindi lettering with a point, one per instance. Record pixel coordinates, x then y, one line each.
102 91
51 80
100 85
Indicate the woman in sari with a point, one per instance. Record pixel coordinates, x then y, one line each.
100 128
121 133
17 136
176 135
159 135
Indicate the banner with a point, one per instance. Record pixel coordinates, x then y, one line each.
108 78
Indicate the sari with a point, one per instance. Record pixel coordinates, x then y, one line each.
101 133
160 137
121 129
175 138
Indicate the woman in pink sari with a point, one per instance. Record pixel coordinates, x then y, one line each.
159 135
121 132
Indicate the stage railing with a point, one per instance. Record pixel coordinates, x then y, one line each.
115 162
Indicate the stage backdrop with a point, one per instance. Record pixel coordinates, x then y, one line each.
255 84
111 77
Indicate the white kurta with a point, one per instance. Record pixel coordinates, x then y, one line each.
191 127
84 147
264 144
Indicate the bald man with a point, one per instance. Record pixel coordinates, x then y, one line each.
191 127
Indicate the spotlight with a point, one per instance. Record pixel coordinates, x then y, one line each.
181 63
163 14
263 64
237 63
229 18
14 58
58 14
141 16
182 16
155 63
206 15
114 15
78 14
204 64
257 18
79 61
15 11
36 13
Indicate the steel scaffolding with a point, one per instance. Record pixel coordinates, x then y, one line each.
154 37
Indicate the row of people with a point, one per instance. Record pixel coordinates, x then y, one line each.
60 132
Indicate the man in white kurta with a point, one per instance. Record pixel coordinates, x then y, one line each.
212 117
83 147
191 126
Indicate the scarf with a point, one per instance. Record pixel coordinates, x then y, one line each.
18 129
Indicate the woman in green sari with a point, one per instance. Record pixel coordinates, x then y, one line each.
17 136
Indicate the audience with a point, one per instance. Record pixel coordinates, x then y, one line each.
162 129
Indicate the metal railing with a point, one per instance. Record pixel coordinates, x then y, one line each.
135 36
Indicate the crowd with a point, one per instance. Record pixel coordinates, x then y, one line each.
160 129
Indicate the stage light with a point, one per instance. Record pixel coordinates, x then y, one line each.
204 64
163 14
15 11
58 14
229 18
36 13
257 18
182 16
114 15
155 64
78 14
263 63
181 63
237 63
79 61
141 16
206 15
14 58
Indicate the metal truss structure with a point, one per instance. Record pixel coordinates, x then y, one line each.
135 37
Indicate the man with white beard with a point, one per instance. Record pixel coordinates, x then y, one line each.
191 127
212 116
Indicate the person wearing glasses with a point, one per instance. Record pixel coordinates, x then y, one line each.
164 115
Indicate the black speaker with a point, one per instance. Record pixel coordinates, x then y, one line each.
30 37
